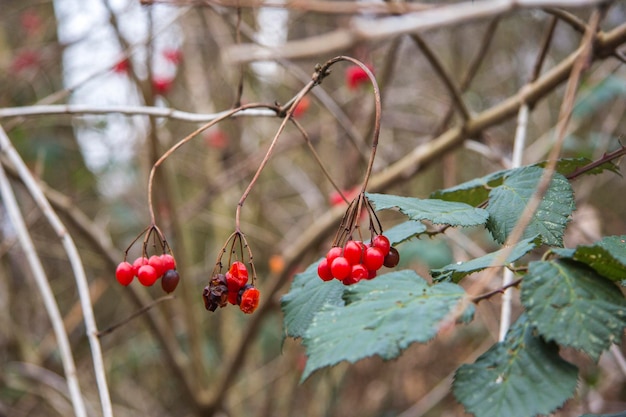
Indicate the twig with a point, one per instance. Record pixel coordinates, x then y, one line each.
607 157
501 290
75 262
15 216
137 313
318 6
443 74
472 70
80 109
516 161
361 29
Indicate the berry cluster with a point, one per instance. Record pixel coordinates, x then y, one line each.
356 260
232 288
149 270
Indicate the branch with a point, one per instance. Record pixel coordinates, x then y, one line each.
364 29
50 304
125 110
319 6
77 267
445 77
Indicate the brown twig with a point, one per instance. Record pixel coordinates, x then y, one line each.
500 290
136 314
437 65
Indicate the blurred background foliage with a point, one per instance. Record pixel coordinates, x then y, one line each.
173 361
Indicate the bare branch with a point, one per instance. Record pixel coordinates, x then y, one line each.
79 109
75 262
366 29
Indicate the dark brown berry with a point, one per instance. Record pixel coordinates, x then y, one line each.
392 259
170 280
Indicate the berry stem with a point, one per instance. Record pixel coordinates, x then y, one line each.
187 138
292 105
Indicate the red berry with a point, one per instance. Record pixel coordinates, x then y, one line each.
157 263
358 273
355 77
162 85
371 274
353 251
249 300
340 268
168 261
392 259
121 66
239 273
216 139
233 290
301 107
147 275
170 280
323 270
124 273
172 55
333 253
373 259
381 242
138 263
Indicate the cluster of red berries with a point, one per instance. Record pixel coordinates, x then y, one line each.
232 288
149 270
356 260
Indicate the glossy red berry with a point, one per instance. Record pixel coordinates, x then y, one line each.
249 300
147 275
168 261
373 259
358 273
333 253
392 259
353 251
124 273
340 268
139 262
323 270
381 242
170 280
157 263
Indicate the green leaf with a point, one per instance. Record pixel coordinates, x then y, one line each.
435 211
455 272
472 192
607 256
568 167
507 202
523 376
571 304
476 191
404 231
307 295
381 317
